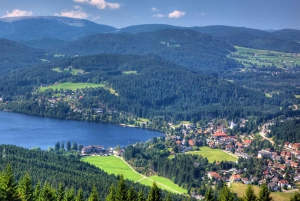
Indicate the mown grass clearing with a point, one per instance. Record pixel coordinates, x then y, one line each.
168 182
72 86
114 165
265 58
297 96
130 72
213 154
240 190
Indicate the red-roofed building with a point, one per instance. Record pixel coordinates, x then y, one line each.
219 134
283 183
191 142
178 142
235 178
214 175
247 143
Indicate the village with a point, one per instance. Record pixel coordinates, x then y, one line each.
281 173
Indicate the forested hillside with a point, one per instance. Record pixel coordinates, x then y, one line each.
29 28
185 47
252 38
14 56
152 87
55 170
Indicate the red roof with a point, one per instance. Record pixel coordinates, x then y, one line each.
220 134
178 142
191 142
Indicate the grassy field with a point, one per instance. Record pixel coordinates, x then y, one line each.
71 86
297 96
213 154
240 189
265 58
130 72
114 165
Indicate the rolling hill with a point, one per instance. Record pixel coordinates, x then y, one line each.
184 47
156 88
14 56
30 28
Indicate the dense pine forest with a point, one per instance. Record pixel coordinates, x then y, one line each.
49 173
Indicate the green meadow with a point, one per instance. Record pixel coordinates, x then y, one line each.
114 165
248 57
71 86
213 154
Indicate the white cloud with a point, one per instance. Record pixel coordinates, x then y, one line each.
101 4
159 15
77 13
154 9
18 13
176 14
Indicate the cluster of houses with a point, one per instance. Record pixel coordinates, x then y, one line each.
101 151
281 172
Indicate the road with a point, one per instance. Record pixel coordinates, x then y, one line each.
262 134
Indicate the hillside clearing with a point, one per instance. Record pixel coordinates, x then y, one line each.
213 154
115 165
71 86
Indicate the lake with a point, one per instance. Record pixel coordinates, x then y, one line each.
34 131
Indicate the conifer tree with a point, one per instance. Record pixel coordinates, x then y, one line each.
264 194
60 193
168 197
141 196
121 192
79 196
68 147
225 194
25 188
47 194
249 194
131 194
208 195
111 195
154 194
37 191
94 195
9 188
69 195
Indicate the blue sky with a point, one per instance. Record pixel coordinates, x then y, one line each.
260 14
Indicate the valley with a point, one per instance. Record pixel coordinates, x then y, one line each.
188 108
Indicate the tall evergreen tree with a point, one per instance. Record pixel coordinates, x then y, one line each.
264 193
154 194
47 194
60 194
37 191
79 196
111 195
69 195
208 195
131 194
141 196
68 147
57 146
9 188
94 195
121 192
25 188
74 146
249 194
168 197
226 194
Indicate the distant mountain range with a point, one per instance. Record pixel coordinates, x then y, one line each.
30 28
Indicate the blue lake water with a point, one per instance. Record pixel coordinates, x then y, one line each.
34 131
